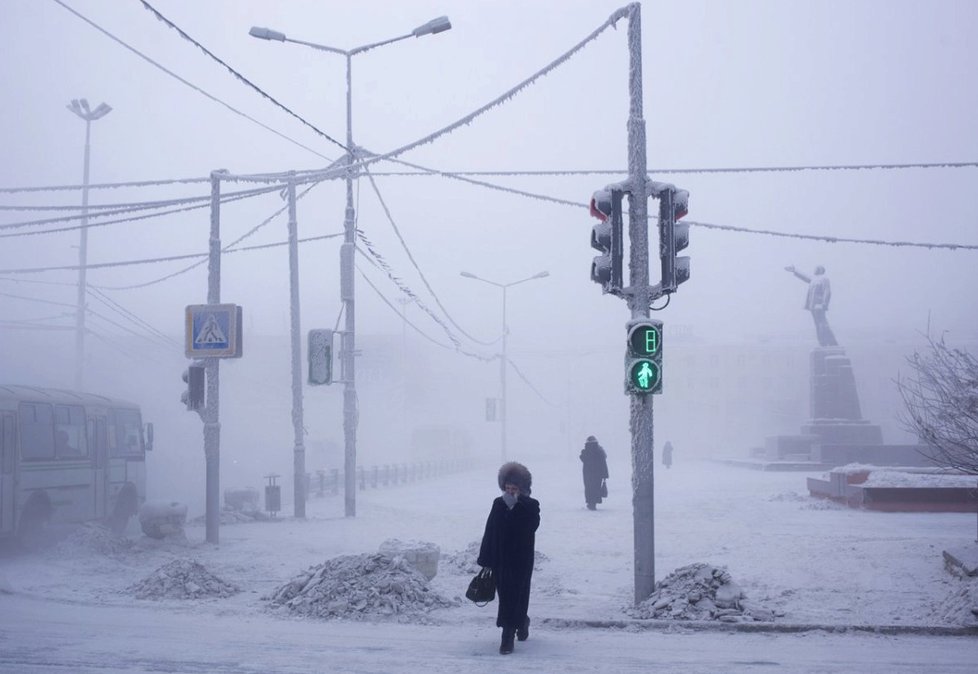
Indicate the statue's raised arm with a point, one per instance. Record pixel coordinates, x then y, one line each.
817 302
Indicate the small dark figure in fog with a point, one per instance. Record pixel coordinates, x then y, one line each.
667 454
595 471
507 549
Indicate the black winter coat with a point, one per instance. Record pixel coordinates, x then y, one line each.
508 548
595 469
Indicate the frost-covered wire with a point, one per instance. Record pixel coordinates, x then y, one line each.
451 347
238 75
129 315
226 249
414 262
103 186
143 206
189 84
37 300
672 171
528 382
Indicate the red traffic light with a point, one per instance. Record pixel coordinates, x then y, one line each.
601 205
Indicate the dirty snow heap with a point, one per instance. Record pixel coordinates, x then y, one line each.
361 587
182 579
700 592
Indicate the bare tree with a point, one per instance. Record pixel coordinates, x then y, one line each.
941 398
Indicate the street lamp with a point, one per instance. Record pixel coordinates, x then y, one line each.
502 358
347 249
79 106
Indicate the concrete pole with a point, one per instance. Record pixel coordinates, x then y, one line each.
299 450
212 406
82 270
640 419
502 382
348 342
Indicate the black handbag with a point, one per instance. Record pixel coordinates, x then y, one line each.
482 588
604 489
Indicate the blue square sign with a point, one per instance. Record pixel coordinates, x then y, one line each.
213 331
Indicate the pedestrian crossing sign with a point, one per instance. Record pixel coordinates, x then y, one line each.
213 331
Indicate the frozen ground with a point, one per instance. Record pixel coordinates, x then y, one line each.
806 561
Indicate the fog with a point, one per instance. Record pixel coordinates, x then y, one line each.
739 85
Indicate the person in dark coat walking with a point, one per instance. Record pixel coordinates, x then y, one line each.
667 454
595 472
507 549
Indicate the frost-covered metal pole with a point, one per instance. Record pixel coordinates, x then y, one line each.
211 416
640 419
299 451
81 109
504 363
347 250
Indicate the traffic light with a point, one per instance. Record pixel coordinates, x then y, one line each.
606 236
643 358
320 346
673 237
194 396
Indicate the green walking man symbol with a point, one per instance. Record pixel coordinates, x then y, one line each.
645 376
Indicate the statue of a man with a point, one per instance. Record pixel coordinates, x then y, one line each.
817 302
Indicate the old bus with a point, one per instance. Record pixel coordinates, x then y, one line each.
68 457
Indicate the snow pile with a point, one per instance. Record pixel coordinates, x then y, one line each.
961 605
231 516
699 592
361 587
421 555
464 561
93 537
182 579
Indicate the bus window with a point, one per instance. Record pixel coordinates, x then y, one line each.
6 444
97 441
70 436
36 431
125 436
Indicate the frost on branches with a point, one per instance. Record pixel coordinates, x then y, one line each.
941 399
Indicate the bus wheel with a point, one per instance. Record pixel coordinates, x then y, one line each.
33 532
125 507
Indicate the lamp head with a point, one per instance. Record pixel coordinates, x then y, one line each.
266 34
433 27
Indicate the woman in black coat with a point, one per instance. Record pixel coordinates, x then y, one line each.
507 549
595 470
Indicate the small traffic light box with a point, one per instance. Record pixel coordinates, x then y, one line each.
320 346
673 236
643 357
607 237
194 397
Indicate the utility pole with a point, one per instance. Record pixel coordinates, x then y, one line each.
299 448
81 109
640 418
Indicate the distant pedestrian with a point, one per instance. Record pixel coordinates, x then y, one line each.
667 454
508 548
595 470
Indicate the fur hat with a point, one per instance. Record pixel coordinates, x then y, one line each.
515 473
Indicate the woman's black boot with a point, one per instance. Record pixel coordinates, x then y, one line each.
523 631
506 645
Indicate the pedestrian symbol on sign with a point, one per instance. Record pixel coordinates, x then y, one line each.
211 333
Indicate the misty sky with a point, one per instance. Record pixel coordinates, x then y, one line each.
741 84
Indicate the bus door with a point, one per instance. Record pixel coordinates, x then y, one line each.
99 446
7 458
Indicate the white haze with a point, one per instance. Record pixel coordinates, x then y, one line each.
740 84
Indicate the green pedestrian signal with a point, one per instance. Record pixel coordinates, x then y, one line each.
643 360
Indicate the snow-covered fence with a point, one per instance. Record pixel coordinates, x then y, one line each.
328 482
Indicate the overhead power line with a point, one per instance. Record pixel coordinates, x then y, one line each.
195 87
239 76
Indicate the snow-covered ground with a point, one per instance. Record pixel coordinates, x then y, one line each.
803 560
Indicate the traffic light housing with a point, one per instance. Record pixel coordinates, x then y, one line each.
673 237
320 346
194 396
606 237
643 357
